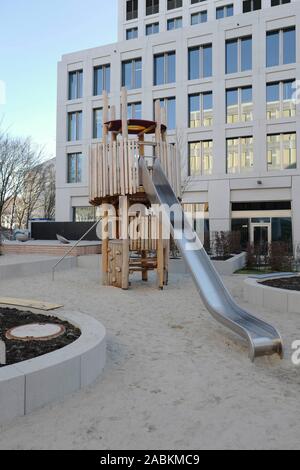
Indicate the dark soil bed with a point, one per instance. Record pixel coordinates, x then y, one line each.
19 351
291 283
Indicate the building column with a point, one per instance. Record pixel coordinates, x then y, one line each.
296 209
219 205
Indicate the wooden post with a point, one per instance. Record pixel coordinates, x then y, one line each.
158 121
105 248
105 237
160 254
125 242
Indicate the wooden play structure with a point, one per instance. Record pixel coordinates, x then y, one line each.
138 244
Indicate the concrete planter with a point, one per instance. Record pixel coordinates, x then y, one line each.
225 268
280 300
29 385
32 268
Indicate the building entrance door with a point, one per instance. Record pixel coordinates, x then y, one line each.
261 236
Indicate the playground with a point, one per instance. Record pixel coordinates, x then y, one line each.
178 374
174 377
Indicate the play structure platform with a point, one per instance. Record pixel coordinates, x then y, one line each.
127 183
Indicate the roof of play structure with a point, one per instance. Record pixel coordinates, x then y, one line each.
135 126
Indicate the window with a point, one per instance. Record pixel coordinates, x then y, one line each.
239 55
75 85
169 104
101 79
239 105
224 12
97 123
134 110
172 4
131 9
200 158
84 214
251 5
74 168
201 110
152 28
198 18
152 7
197 215
280 101
131 33
132 74
275 3
239 155
200 62
282 154
75 126
174 23
281 47
164 68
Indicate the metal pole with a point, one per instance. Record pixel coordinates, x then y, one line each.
74 246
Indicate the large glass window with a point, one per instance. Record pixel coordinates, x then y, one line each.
132 74
75 126
198 18
169 104
131 9
251 5
101 79
239 55
275 3
239 155
282 153
281 47
75 85
97 123
201 110
172 4
164 68
74 168
134 110
239 105
131 33
84 214
280 100
174 23
200 62
224 12
152 28
200 158
152 7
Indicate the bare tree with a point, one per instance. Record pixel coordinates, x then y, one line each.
49 193
19 179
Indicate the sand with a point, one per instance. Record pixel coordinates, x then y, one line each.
174 377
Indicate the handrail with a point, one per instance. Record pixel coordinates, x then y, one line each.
74 246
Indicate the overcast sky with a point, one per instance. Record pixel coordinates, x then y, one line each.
33 36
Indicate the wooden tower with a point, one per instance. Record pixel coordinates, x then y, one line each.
137 244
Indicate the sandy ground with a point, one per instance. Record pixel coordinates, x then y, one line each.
15 259
175 379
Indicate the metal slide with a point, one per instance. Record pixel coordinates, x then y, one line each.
262 338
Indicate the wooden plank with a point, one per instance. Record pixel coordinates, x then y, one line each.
122 180
105 246
160 255
124 234
37 305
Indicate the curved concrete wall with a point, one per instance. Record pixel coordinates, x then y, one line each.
29 385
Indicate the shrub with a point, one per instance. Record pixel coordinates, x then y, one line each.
280 257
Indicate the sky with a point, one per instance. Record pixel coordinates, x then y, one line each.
34 34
